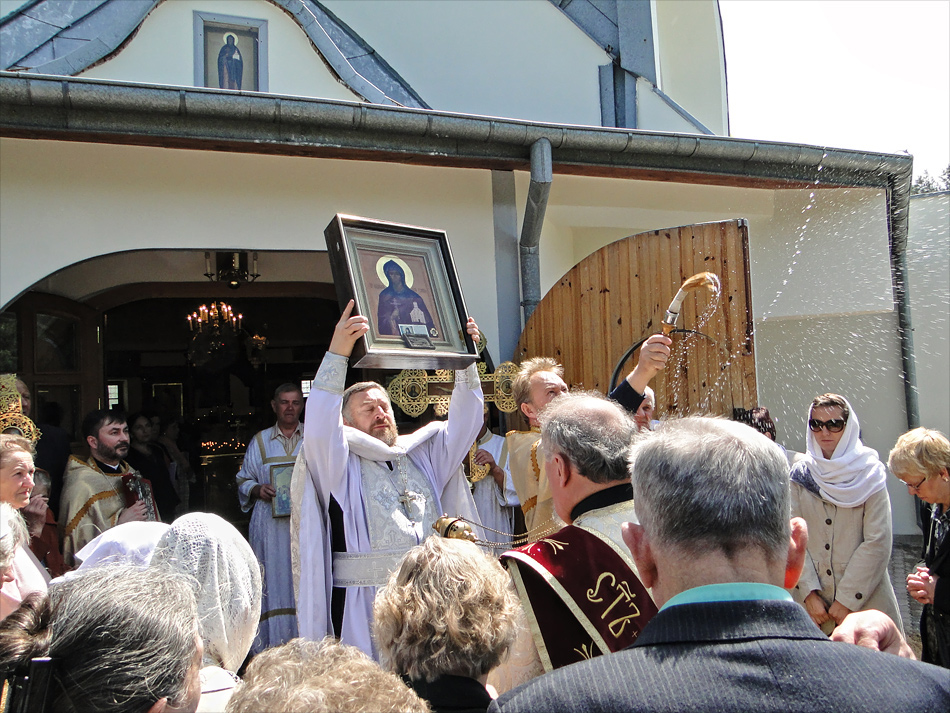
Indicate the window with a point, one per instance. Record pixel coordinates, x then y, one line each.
230 52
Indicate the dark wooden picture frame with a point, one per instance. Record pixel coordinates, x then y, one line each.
367 257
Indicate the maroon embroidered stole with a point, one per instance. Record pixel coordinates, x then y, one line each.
581 598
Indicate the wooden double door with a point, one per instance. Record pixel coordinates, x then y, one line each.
60 359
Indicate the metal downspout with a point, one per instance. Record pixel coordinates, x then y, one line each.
541 176
898 205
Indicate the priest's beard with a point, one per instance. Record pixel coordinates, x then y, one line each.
387 435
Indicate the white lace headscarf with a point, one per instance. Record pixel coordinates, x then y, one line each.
228 586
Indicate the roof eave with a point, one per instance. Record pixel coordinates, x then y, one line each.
69 108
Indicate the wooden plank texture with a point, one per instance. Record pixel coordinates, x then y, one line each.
619 295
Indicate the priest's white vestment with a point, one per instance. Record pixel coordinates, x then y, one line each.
385 511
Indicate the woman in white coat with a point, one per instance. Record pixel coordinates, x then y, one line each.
839 488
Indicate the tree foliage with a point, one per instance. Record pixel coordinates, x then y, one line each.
925 183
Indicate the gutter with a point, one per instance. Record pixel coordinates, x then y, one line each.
538 190
898 209
69 108
55 108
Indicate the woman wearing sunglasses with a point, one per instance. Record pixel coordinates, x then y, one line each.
921 460
839 487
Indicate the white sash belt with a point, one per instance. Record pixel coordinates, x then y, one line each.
364 569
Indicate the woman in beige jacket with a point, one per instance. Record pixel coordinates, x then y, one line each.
839 489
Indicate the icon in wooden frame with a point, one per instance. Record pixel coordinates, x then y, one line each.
403 279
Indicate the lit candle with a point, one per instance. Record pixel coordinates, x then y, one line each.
240 319
191 325
199 324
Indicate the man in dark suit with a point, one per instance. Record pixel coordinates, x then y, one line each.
716 545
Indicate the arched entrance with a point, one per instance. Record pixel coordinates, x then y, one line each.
114 330
619 295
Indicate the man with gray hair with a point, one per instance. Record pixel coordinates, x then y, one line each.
717 547
578 586
272 452
540 380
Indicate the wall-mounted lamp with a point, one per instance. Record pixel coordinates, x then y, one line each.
231 267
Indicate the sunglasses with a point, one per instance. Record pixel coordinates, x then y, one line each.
834 425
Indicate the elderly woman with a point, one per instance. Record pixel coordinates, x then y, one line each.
13 535
446 617
921 460
119 638
839 489
16 485
227 584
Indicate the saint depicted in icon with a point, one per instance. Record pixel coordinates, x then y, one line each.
399 304
230 63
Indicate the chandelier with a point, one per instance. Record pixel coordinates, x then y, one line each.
218 338
218 320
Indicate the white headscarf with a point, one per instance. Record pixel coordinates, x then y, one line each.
128 543
852 474
228 585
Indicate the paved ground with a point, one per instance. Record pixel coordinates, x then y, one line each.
904 558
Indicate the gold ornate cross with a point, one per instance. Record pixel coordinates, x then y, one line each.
414 390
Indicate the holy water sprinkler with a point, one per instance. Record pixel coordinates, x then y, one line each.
708 280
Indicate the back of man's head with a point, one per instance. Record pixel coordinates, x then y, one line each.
703 484
591 432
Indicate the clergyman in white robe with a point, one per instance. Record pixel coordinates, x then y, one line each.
269 535
385 511
496 505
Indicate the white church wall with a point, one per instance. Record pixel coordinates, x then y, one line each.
692 60
824 251
63 203
654 114
162 52
523 60
928 263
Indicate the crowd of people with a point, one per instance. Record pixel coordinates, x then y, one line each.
603 561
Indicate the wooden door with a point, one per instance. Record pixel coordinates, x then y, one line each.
60 356
619 295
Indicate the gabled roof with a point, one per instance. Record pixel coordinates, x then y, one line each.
66 37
